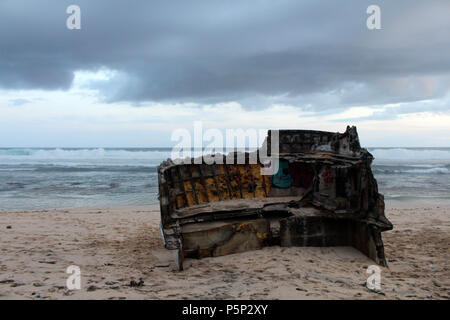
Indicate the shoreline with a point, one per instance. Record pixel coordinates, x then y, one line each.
114 246
421 203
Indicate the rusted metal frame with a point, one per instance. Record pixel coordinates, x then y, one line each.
182 186
172 185
179 252
202 179
252 179
194 190
216 184
227 177
360 187
238 175
316 179
191 180
263 177
165 190
221 215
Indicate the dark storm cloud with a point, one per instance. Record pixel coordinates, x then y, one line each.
313 54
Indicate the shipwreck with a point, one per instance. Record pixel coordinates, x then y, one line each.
321 193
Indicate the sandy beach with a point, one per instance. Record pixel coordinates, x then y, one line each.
115 246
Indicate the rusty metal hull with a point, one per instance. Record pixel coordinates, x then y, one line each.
332 200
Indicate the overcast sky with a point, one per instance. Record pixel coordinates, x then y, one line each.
137 70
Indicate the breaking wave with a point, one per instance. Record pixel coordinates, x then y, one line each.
159 153
110 168
438 170
97 153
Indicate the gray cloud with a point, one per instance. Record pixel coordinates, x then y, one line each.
392 112
316 55
19 102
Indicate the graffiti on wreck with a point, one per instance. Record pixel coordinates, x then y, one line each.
323 193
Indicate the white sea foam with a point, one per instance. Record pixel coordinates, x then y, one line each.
101 176
59 153
52 155
430 170
434 170
410 154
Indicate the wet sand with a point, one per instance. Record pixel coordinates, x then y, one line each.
116 247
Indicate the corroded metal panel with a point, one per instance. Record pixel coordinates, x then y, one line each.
325 195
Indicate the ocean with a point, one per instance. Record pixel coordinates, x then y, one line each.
43 178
